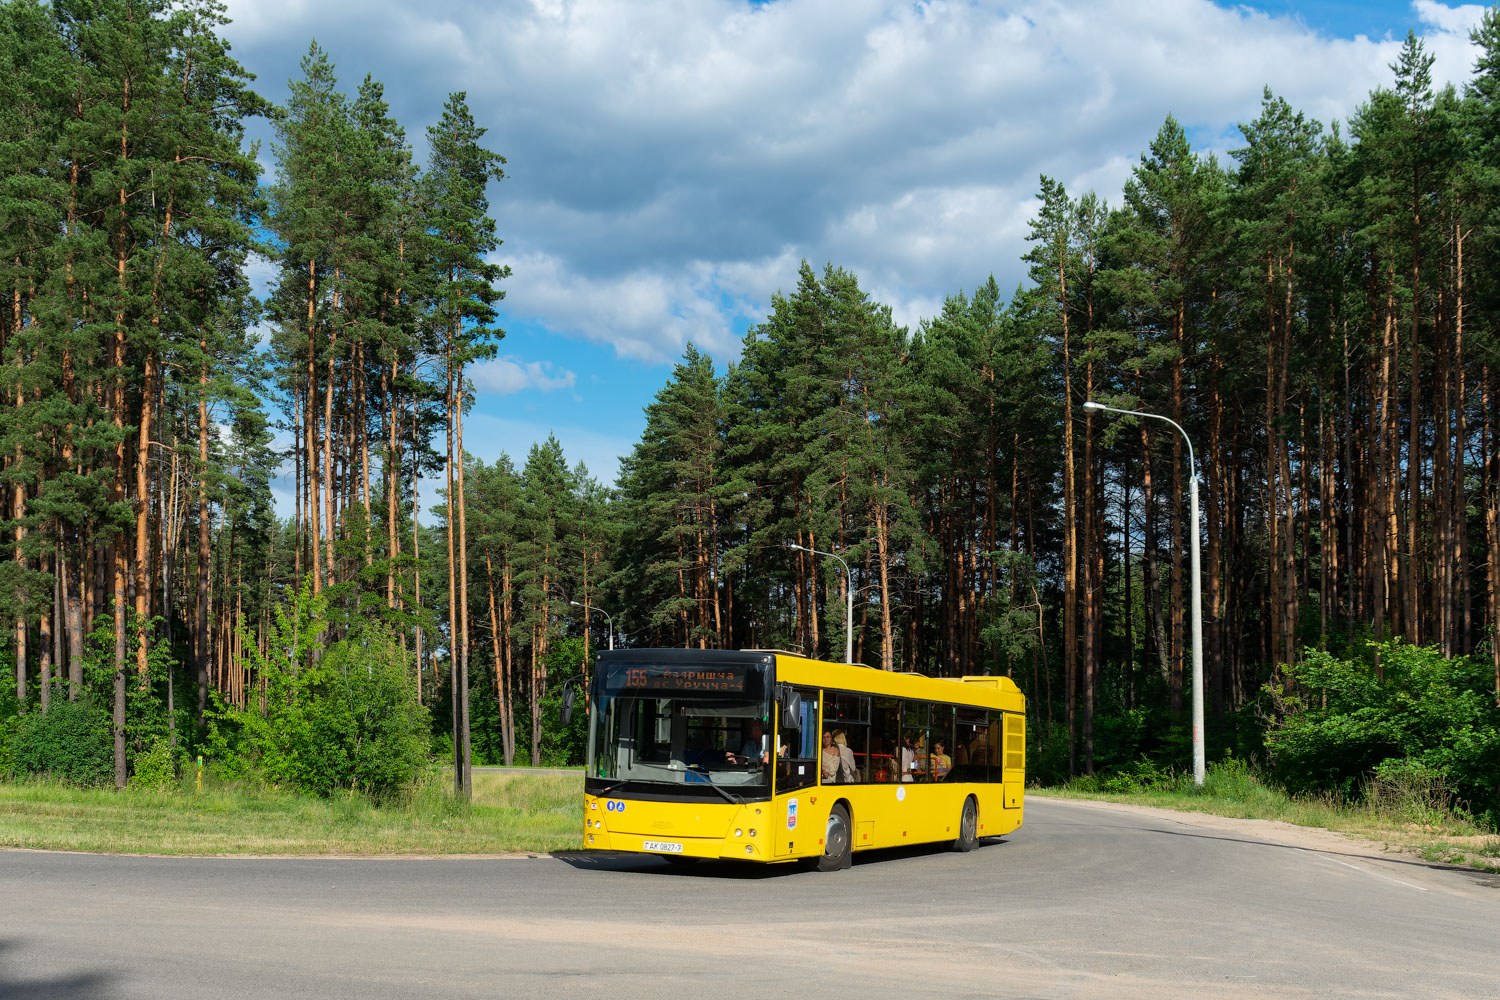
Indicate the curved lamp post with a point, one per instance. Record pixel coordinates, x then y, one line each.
610 621
849 593
1198 750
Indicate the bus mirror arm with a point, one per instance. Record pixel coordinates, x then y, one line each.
567 698
790 704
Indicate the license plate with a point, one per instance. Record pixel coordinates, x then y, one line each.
661 846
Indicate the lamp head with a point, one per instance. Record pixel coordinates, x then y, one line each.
575 604
1091 405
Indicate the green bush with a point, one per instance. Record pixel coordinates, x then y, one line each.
10 722
338 717
1231 778
563 746
1427 730
71 742
1415 791
156 768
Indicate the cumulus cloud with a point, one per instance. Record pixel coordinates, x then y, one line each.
671 163
645 314
506 375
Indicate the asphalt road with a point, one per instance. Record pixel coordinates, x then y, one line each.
1084 901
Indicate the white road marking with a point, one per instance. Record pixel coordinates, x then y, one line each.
1367 871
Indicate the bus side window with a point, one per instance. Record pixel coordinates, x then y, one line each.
885 741
916 743
971 752
996 742
849 715
940 762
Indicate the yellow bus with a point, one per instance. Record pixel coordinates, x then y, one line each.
767 756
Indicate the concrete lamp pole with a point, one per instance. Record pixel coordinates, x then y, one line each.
1198 751
849 593
607 618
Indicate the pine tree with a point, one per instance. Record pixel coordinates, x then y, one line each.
461 236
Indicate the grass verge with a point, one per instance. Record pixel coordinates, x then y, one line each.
509 813
1411 821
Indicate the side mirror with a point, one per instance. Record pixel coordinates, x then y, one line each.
567 698
790 703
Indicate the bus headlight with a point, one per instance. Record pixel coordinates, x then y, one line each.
739 833
752 831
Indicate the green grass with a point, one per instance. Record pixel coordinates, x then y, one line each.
1411 820
527 813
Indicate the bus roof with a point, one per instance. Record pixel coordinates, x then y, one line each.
980 692
987 692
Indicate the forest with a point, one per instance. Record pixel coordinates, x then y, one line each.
1317 311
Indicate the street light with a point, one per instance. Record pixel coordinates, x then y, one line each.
1198 754
849 593
607 618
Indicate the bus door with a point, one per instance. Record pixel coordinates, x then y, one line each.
797 765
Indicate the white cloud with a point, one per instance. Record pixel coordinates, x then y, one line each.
671 163
645 315
506 375
1450 20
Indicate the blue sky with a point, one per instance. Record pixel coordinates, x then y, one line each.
672 162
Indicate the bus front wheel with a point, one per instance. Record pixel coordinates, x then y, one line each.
968 827
838 843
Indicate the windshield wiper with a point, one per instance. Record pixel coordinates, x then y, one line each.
609 788
732 798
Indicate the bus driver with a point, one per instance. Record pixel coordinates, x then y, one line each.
753 748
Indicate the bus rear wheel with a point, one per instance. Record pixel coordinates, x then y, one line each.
838 843
968 827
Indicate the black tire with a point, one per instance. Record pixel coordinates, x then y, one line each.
838 841
968 827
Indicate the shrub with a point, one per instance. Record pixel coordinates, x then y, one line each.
156 768
1424 735
340 716
10 721
1231 778
1412 790
70 742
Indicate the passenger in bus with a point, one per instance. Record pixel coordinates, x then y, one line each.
941 762
830 758
848 769
908 757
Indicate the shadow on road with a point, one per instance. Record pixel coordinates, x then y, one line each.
1433 865
727 869
14 986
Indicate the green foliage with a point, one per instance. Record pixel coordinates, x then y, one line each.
10 722
1426 730
340 716
156 768
563 747
70 742
1137 776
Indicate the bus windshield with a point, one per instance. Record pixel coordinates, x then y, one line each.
678 725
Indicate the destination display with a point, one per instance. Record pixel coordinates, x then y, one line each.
719 678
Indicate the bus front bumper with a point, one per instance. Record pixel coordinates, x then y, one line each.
678 830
